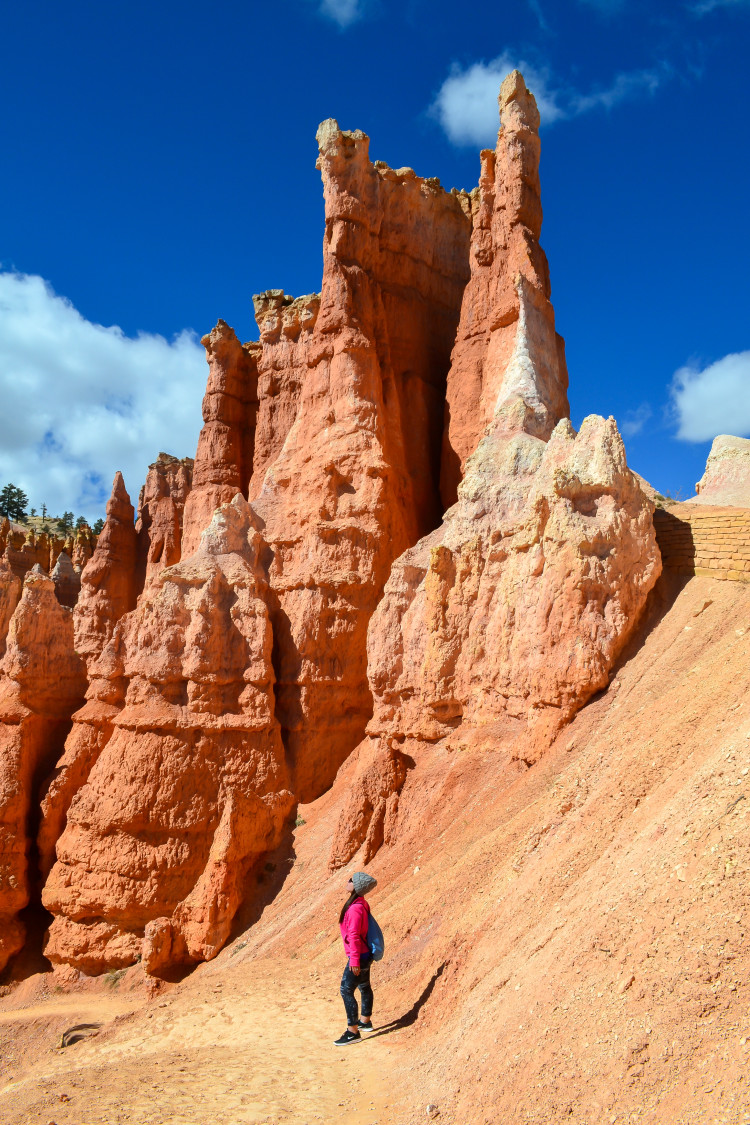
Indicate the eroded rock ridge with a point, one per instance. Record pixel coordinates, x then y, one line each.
300 592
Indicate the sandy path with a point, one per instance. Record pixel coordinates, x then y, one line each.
230 1048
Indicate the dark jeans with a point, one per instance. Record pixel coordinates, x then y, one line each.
349 982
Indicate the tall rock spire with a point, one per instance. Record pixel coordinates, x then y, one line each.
357 478
108 592
508 362
224 458
42 681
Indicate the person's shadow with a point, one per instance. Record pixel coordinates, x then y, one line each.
412 1015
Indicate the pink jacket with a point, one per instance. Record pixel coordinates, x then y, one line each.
354 931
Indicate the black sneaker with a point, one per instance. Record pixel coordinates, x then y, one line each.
347 1037
365 1026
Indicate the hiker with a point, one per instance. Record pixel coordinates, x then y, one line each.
353 921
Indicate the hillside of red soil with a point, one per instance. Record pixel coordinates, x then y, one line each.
564 942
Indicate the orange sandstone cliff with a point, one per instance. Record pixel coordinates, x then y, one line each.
42 681
517 607
154 864
299 592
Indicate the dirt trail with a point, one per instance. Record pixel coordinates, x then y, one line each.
239 1046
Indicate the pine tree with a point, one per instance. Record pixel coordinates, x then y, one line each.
81 522
98 526
65 522
13 502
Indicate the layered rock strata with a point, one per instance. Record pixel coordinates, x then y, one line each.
192 787
224 458
42 681
161 507
356 480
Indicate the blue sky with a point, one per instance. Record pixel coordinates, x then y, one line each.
159 168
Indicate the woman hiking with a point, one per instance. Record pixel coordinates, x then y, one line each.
353 922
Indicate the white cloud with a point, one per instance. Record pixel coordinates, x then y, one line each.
79 401
343 12
635 420
466 104
715 400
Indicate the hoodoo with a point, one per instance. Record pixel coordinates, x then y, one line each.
42 682
300 591
516 608
191 787
357 478
109 586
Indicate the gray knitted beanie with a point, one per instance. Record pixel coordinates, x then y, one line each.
363 882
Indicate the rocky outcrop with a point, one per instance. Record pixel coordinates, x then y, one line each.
161 507
230 668
192 787
726 480
25 550
42 681
224 459
517 607
356 480
67 581
10 593
508 296
286 330
108 592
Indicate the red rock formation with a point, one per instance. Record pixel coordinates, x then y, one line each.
726 480
42 681
84 542
191 788
161 507
286 329
357 478
509 281
25 550
224 459
10 593
516 609
67 581
518 606
108 591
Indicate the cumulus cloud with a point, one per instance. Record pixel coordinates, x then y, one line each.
714 400
79 401
466 104
343 12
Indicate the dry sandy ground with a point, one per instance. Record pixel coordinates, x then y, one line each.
568 942
241 1046
574 936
